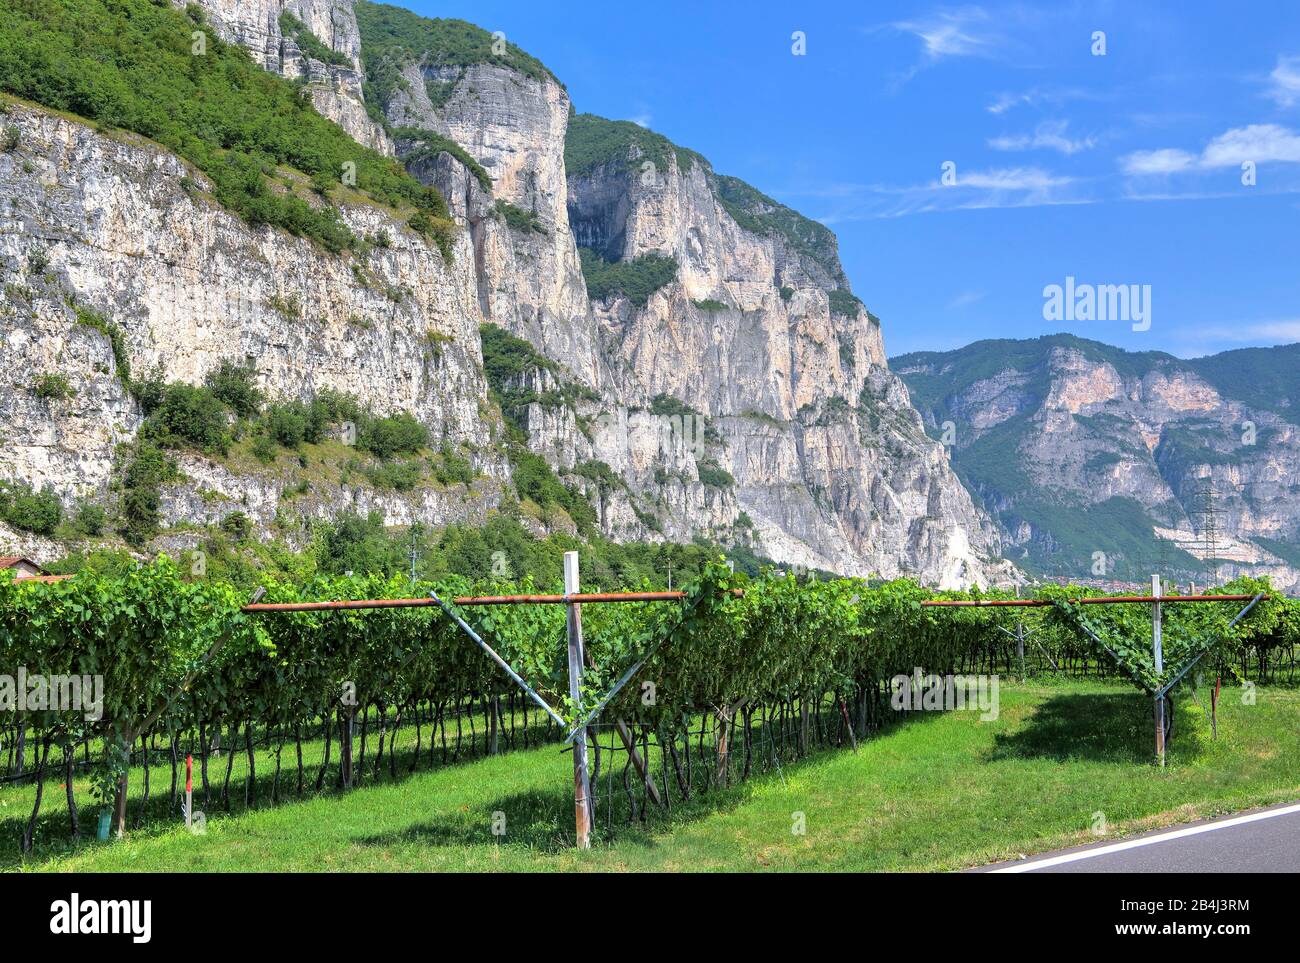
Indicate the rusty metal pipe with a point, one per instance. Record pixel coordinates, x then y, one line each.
467 600
1096 600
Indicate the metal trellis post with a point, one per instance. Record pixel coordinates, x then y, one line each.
1158 655
581 782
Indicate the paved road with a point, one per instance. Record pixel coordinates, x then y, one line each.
1261 841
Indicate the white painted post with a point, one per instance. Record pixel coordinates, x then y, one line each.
1158 654
581 784
1020 639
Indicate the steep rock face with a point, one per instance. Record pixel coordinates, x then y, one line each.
120 227
734 403
748 399
530 281
830 462
1070 440
334 88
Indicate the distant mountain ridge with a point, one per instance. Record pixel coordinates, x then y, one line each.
1077 447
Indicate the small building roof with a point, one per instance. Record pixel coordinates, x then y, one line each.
25 566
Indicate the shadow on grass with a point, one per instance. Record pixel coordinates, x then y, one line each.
541 821
162 815
1101 727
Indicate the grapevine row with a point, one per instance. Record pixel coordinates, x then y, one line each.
805 662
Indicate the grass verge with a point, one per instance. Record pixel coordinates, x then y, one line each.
939 792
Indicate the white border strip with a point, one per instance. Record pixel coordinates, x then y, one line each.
1031 865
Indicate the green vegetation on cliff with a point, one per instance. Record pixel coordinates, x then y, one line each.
28 510
636 279
844 303
393 38
593 142
1263 378
755 211
311 45
426 143
135 65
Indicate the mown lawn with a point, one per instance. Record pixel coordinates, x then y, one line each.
939 792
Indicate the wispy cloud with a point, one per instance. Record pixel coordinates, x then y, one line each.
1285 331
974 190
1049 135
1284 81
962 32
643 119
966 299
1033 179
968 31
1259 143
1039 97
1168 160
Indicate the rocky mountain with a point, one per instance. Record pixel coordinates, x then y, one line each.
597 331
1158 463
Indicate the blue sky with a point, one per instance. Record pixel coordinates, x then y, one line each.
1122 168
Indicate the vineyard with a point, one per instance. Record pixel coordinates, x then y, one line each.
738 677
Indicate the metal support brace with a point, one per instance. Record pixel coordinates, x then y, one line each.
1111 652
623 680
532 694
1200 655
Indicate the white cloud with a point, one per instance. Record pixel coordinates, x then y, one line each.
963 32
1006 101
1170 160
1284 81
1050 135
973 190
1259 143
1036 97
641 120
966 298
1011 179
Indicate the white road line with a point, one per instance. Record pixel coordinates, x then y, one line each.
1146 840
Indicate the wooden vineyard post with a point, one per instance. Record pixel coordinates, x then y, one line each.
581 784
1158 655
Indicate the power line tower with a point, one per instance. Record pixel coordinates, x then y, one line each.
1208 511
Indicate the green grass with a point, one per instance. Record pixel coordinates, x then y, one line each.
939 792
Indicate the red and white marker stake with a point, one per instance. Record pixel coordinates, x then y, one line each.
189 791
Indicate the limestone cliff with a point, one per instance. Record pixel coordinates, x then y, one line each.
796 435
114 228
1080 448
744 396
335 86
759 333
